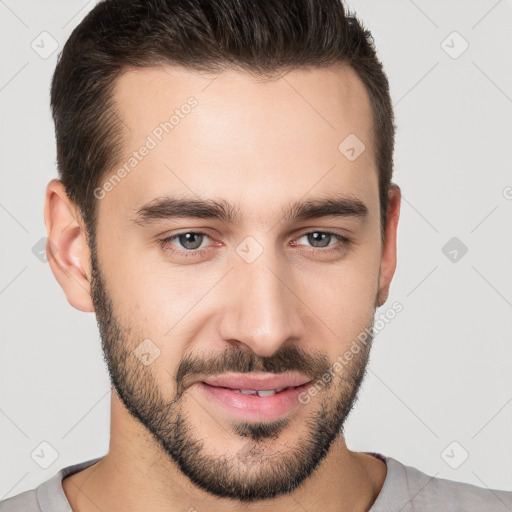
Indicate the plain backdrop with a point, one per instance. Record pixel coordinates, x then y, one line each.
438 394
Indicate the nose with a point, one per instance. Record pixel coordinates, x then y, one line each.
263 310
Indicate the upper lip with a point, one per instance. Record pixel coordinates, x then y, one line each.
258 382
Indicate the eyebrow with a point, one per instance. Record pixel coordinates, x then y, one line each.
170 207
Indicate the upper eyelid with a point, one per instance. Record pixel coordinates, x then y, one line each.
177 235
339 236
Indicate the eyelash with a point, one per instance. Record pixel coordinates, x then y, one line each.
341 246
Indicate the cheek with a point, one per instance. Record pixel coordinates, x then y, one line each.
169 308
344 298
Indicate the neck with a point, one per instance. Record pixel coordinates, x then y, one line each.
137 474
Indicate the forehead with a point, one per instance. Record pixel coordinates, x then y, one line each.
241 137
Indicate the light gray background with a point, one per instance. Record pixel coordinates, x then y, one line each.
441 371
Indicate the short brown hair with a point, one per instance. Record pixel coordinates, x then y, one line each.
259 36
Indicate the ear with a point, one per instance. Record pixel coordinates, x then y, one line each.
67 250
388 259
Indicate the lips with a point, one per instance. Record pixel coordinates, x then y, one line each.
252 397
262 384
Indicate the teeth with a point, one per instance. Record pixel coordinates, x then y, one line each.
267 392
263 392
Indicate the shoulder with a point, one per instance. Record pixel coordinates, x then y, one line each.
26 502
409 489
48 496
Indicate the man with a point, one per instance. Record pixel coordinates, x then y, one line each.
225 207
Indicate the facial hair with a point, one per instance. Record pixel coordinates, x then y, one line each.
264 468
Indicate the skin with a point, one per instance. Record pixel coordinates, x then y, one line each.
259 145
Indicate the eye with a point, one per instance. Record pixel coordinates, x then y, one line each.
193 243
189 241
323 239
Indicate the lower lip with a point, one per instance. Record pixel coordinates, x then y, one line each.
254 407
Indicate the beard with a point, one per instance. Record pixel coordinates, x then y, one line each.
264 468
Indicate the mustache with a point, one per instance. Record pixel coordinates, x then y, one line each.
289 358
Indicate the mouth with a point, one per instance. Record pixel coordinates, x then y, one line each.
259 392
254 397
257 381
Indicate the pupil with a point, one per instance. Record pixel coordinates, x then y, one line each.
315 238
191 240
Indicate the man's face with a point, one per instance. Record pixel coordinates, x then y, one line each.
258 292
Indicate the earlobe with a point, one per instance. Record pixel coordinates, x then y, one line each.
388 260
67 250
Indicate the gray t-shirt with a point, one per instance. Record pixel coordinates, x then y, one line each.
405 489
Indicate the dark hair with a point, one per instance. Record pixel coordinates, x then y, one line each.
262 37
